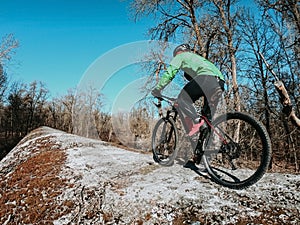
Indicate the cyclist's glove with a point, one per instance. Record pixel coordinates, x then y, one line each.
156 93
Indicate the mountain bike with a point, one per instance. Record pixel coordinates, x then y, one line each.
235 148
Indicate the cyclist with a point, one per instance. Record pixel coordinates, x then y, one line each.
205 79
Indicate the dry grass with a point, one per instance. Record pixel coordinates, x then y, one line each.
29 194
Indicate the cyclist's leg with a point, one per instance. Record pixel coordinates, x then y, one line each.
211 100
209 87
188 95
213 95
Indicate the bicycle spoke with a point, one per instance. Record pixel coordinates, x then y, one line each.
164 142
241 156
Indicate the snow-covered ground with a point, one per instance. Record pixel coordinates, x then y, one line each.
110 185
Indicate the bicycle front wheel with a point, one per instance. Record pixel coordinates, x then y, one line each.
164 142
237 151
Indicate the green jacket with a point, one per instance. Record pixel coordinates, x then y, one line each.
192 64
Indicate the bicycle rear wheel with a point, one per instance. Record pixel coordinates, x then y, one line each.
237 151
164 142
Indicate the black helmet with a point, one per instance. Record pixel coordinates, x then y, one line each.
181 48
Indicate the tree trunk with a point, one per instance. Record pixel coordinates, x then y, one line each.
197 31
286 103
227 25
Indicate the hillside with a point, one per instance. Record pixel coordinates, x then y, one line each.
52 177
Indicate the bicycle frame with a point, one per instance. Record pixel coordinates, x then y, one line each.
175 109
225 157
177 112
174 112
213 128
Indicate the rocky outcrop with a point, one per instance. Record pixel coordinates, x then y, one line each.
52 177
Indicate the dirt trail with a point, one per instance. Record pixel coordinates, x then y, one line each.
58 178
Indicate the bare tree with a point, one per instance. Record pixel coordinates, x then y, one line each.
68 102
34 102
257 37
284 18
228 20
60 111
270 37
7 46
284 97
289 9
3 83
209 24
175 17
83 112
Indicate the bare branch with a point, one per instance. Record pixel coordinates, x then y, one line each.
286 103
284 96
8 44
268 66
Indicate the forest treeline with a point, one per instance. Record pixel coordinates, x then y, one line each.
228 33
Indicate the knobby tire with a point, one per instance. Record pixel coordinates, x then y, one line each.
165 142
245 158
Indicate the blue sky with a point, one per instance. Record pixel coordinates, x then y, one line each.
59 39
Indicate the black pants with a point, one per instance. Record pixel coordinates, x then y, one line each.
209 87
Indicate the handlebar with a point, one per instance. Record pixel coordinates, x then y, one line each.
167 99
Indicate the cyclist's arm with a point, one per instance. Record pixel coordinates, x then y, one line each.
167 77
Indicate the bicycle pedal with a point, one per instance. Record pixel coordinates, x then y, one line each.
197 159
